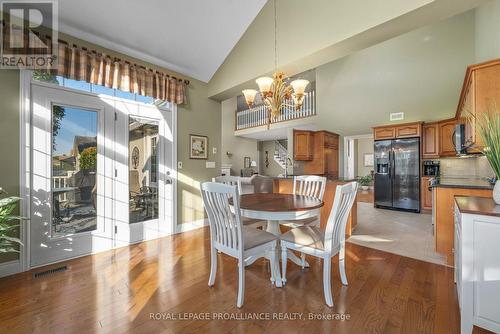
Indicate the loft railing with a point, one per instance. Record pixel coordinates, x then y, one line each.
258 115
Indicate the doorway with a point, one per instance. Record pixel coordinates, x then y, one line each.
101 173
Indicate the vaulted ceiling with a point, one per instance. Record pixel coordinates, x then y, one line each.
192 37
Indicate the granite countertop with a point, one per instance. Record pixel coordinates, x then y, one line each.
477 205
467 183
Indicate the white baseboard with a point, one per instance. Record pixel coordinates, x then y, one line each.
10 268
180 228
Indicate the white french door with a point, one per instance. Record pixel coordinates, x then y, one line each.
144 194
101 173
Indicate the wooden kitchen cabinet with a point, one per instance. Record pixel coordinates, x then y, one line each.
446 131
381 133
325 159
426 194
408 130
430 140
480 93
303 145
444 199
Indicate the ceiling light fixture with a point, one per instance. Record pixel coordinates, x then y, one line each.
277 92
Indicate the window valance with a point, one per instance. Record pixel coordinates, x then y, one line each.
101 69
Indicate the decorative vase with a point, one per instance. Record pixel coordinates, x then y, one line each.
496 192
365 188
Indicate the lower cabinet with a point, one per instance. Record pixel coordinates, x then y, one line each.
477 270
426 194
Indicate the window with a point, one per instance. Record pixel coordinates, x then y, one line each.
143 169
91 88
74 168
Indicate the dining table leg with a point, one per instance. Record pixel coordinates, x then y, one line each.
273 226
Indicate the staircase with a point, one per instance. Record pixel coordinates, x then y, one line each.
280 154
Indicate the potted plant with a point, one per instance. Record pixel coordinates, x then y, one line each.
489 129
365 181
7 224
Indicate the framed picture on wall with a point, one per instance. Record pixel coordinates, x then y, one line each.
368 159
198 147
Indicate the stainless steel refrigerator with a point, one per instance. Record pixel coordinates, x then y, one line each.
397 174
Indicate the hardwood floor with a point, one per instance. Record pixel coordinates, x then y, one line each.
115 292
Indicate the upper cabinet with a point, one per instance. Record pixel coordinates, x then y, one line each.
430 140
384 132
480 92
446 130
303 145
408 130
325 159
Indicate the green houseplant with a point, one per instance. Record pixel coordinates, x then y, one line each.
8 244
365 181
489 130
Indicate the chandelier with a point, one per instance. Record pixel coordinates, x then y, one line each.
278 91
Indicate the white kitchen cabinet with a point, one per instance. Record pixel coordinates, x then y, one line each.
477 262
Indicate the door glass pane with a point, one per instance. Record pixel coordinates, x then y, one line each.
143 169
74 167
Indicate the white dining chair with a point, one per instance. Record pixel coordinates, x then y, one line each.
308 185
326 244
229 236
236 181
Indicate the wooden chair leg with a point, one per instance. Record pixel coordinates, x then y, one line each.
284 254
241 283
343 276
213 266
327 288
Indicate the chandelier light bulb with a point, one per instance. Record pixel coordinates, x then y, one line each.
299 86
249 96
264 84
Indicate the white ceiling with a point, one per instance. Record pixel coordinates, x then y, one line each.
192 37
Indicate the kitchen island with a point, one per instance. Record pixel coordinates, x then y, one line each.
285 186
477 269
444 192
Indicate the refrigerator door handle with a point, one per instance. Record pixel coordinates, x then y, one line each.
391 164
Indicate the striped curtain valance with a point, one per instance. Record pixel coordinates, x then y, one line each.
100 69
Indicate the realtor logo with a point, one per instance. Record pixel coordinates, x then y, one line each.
29 34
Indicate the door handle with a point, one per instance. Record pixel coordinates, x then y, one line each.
168 181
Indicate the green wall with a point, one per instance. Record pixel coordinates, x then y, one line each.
201 116
9 137
239 147
419 73
488 31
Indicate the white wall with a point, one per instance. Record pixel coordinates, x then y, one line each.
238 146
487 31
365 145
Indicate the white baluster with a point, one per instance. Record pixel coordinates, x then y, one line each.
313 101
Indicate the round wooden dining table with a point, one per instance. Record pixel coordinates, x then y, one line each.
276 208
